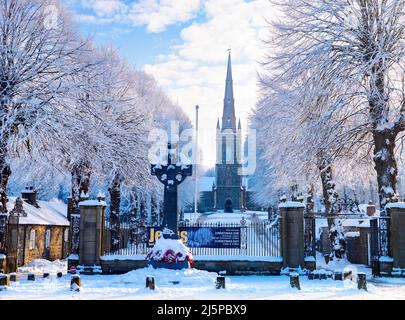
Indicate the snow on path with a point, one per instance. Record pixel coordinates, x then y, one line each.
196 284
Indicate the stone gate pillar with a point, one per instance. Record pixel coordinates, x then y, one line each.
396 212
292 234
91 232
3 260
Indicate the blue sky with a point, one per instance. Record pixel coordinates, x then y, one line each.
183 44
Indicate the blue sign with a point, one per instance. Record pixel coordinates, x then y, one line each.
213 237
202 237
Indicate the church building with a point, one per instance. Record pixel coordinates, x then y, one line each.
226 192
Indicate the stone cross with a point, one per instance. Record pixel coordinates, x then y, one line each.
171 175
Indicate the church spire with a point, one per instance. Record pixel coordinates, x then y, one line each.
228 115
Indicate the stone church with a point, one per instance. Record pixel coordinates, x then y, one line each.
226 191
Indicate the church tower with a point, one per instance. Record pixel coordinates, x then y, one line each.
228 191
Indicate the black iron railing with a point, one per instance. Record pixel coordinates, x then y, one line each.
309 236
260 239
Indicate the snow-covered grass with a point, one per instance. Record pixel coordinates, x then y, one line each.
196 284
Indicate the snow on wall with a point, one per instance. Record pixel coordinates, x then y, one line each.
291 204
198 258
397 205
91 203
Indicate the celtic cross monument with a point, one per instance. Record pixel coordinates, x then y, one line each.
171 175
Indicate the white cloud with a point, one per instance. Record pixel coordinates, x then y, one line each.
105 8
158 14
194 72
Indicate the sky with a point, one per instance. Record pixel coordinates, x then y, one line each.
183 44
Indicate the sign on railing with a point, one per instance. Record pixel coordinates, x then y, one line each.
203 237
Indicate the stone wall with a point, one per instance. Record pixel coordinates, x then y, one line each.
231 267
57 249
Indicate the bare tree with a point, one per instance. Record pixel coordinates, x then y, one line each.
36 60
355 49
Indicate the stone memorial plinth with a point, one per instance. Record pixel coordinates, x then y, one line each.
396 211
91 232
292 234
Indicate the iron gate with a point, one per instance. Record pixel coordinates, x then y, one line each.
374 252
379 242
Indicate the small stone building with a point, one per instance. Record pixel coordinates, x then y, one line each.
36 230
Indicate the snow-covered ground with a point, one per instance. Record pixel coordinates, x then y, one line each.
40 266
220 216
195 284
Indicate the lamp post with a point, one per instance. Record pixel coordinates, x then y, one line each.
196 162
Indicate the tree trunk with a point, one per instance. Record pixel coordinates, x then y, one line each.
331 197
80 185
385 165
310 200
5 172
133 214
142 213
384 132
81 173
384 135
115 201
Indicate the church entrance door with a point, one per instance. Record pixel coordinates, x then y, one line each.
228 206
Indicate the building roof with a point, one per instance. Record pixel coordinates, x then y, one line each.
49 212
228 115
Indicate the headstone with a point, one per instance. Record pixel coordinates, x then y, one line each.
347 275
292 234
338 276
295 280
361 281
150 283
31 277
75 283
4 280
370 209
220 283
13 277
